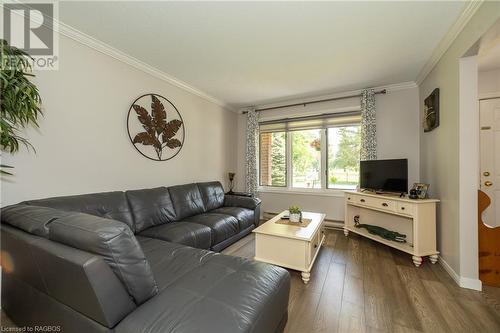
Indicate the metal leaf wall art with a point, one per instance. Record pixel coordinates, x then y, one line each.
158 135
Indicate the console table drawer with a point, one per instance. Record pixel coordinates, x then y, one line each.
405 208
384 204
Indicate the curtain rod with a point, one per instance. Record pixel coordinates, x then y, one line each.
383 91
318 116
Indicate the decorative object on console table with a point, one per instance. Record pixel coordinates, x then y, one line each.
419 191
431 111
295 214
379 231
158 136
231 182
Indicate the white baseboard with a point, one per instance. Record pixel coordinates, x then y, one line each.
463 282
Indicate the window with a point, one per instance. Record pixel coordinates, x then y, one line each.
312 152
343 157
273 159
306 158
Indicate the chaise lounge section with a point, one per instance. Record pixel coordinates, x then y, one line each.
139 261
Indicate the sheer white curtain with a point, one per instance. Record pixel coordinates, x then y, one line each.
252 140
368 125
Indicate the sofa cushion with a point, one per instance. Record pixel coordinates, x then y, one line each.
240 201
202 291
185 233
111 205
32 219
244 216
150 207
115 242
212 194
222 226
187 200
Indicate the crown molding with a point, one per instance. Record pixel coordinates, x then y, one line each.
108 50
389 88
445 43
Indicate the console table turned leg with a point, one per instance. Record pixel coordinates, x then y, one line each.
417 260
346 232
433 258
305 277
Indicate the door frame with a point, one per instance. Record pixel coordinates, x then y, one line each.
469 164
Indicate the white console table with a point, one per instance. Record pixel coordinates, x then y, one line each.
414 218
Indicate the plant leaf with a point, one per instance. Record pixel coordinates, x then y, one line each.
173 143
170 129
159 114
147 139
144 118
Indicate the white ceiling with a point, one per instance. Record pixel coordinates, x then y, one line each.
250 53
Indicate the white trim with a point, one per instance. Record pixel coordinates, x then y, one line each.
461 281
468 11
313 192
108 50
469 158
489 95
389 88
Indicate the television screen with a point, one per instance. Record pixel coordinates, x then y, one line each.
384 175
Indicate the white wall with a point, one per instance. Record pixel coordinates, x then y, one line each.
82 144
489 82
397 136
439 149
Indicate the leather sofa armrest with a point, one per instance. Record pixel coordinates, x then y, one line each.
239 201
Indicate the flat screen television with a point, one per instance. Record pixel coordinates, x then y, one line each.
384 175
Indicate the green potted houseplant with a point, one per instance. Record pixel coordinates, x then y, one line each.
295 214
20 101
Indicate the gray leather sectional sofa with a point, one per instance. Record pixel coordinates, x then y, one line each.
139 261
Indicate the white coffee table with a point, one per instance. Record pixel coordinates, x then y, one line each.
290 246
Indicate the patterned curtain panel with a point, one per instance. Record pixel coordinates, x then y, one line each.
368 126
251 151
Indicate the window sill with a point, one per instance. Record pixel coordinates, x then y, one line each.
314 192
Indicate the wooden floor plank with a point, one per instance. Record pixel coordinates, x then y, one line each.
426 310
340 249
402 311
303 312
328 312
320 270
354 258
352 318
454 315
481 315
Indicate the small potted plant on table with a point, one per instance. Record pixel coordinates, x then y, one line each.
295 214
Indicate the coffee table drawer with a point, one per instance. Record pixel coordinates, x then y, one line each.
314 245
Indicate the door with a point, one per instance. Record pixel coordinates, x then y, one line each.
489 193
489 115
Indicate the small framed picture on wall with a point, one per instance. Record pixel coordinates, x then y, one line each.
431 111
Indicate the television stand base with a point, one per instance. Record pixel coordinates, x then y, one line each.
414 218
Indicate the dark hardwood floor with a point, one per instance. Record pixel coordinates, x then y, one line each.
358 285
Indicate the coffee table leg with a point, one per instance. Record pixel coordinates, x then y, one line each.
305 277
